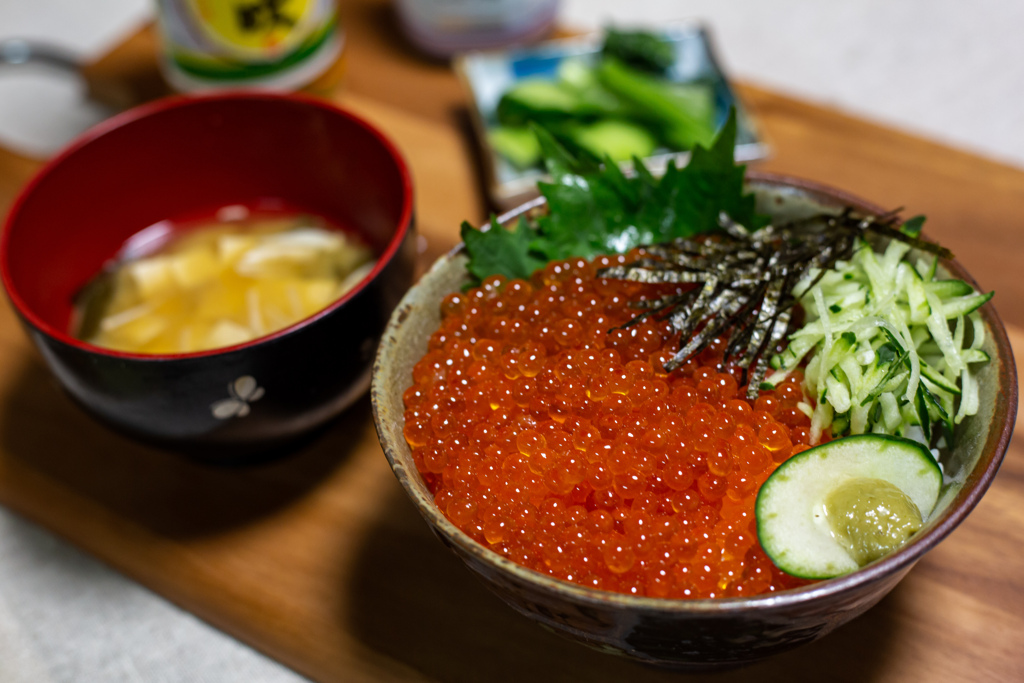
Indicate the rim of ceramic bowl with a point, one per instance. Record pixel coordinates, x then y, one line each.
974 487
159 106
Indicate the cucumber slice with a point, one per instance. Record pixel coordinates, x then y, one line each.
947 289
620 140
936 378
964 305
804 508
976 356
518 144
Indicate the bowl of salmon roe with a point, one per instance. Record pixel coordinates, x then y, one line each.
544 443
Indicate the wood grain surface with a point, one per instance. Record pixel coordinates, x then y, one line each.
321 562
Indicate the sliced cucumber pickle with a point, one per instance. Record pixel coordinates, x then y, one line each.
836 507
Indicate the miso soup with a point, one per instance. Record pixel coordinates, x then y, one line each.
222 282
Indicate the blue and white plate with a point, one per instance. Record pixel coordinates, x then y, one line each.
487 75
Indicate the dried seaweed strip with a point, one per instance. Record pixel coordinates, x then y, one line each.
709 247
762 325
686 318
716 324
655 270
731 227
741 333
777 336
917 243
654 304
756 377
657 275
886 225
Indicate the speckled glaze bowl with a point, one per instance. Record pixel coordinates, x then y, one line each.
696 634
190 156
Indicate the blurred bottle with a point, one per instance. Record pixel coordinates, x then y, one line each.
269 44
444 27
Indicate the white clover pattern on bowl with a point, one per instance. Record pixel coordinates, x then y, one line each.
242 392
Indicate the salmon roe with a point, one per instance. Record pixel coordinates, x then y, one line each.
555 438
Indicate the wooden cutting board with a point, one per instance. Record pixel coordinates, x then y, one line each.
321 562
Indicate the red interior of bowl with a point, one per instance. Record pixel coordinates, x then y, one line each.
185 156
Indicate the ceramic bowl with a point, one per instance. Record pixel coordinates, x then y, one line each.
708 633
186 157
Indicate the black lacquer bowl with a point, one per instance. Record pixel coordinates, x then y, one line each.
709 633
191 156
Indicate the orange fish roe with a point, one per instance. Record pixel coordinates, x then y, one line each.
567 448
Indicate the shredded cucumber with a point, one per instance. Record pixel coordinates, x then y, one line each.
890 347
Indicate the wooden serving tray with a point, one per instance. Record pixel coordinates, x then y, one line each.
320 561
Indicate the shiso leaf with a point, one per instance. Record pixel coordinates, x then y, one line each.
594 208
694 197
500 251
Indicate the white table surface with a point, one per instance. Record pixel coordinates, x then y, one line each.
945 69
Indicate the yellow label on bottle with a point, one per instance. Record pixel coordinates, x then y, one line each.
255 29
